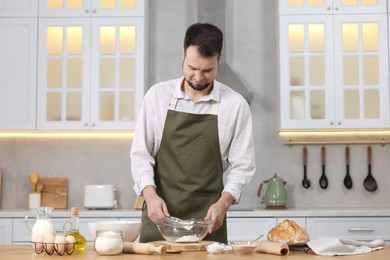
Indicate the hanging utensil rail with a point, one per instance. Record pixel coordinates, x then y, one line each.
291 142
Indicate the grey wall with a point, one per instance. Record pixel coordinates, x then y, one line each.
251 51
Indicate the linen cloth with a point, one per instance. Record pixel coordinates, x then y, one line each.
339 246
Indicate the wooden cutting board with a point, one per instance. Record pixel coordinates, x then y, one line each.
185 247
54 193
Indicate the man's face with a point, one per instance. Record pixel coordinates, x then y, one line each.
199 72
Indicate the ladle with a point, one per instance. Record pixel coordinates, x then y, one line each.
347 180
305 181
323 179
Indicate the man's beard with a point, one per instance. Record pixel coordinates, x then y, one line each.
198 87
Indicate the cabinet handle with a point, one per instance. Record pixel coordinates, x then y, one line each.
336 8
328 8
93 124
331 123
94 11
339 123
85 124
361 229
86 11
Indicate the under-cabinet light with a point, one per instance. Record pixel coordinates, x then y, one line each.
68 134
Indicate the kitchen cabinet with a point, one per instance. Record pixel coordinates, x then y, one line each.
90 69
18 45
248 228
19 8
86 8
359 228
5 231
334 67
331 6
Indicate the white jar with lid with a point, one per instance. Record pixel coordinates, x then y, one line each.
108 242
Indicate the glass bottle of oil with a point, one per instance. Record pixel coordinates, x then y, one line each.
81 242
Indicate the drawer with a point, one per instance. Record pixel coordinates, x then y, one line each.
364 229
248 228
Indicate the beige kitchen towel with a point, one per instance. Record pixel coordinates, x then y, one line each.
272 248
339 246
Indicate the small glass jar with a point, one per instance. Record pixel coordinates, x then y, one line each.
108 242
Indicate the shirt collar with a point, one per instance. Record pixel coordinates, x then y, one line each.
215 93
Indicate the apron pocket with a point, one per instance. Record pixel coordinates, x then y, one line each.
197 157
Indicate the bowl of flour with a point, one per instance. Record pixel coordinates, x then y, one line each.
183 230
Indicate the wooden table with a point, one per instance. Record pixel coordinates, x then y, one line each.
19 252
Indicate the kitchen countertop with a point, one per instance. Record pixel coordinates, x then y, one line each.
235 212
26 252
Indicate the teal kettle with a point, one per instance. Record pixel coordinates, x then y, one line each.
275 195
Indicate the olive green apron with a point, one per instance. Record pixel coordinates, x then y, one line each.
188 170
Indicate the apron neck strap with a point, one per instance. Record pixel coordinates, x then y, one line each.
174 100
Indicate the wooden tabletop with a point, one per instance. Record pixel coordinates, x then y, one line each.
23 252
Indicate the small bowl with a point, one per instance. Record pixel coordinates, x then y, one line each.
215 248
243 247
130 229
183 230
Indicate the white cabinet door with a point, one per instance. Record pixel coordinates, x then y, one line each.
86 8
331 6
356 228
18 45
18 8
334 71
91 73
248 228
5 231
306 72
361 71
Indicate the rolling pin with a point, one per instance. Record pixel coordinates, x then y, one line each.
143 248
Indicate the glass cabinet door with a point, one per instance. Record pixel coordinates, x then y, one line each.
361 63
82 8
306 72
331 6
63 74
117 67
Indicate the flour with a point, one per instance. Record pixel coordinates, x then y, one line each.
192 238
108 243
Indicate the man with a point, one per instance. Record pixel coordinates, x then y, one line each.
191 131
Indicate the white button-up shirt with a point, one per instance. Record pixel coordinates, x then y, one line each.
234 130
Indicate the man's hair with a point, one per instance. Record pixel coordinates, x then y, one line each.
206 37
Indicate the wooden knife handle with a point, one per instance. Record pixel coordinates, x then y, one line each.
143 248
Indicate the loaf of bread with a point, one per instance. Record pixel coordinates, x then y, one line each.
288 232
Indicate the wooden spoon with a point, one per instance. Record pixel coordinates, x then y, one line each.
34 181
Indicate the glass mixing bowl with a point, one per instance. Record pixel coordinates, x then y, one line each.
183 230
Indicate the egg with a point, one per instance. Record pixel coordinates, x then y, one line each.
49 241
60 244
71 241
38 242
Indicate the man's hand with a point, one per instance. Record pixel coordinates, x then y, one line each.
218 210
157 209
